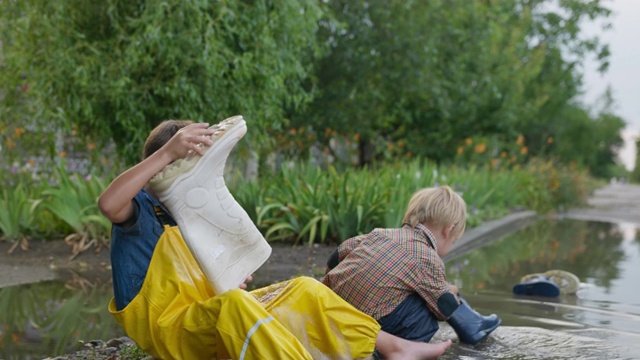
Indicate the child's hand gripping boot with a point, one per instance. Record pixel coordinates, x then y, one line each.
222 238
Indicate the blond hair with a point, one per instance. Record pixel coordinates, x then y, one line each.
438 206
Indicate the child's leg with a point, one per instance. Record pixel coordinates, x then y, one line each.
326 325
237 322
395 348
248 331
411 320
329 327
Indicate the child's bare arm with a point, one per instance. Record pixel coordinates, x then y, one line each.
115 203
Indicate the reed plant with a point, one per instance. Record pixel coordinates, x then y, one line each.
356 203
74 200
304 203
295 205
17 215
399 181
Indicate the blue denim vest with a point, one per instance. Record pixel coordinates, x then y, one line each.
132 247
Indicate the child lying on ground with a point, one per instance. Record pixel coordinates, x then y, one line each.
166 304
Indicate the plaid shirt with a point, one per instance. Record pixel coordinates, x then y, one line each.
379 270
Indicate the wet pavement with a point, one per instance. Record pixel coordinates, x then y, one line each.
615 202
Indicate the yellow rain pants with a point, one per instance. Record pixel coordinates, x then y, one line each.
177 315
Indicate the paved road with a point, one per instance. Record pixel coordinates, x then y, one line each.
618 203
612 203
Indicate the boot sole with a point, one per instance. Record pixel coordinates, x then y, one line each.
168 178
487 332
569 283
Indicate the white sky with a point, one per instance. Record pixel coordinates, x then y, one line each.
623 75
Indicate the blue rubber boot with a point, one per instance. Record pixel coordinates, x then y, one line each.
470 326
538 286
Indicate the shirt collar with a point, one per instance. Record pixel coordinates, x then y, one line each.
431 239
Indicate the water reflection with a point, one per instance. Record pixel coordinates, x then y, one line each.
50 318
601 322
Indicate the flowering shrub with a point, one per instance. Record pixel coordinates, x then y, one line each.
496 151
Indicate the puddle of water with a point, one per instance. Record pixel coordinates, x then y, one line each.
50 318
602 321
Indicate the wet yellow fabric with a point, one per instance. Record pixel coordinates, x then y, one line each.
177 315
327 326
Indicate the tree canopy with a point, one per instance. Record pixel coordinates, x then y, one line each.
423 76
114 69
433 73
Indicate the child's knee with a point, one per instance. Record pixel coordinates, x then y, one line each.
307 281
235 295
236 298
311 286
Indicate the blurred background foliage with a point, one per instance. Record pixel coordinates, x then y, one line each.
350 104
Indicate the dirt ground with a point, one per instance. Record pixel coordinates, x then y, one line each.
49 260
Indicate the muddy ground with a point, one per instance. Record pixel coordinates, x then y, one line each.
49 260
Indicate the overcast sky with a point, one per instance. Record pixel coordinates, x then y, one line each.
623 75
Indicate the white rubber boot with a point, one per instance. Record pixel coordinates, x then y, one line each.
218 231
